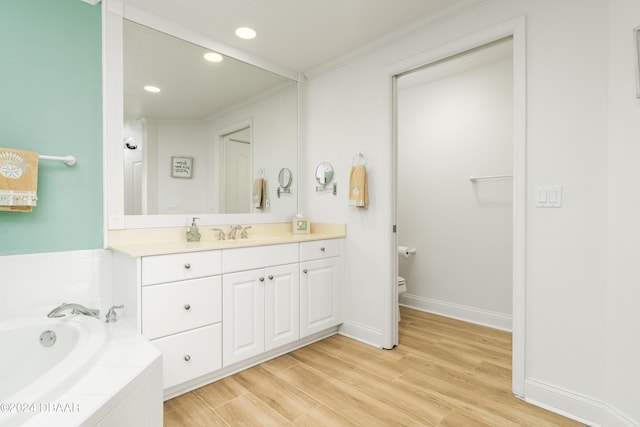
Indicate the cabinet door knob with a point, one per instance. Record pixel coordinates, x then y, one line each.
261 279
187 266
270 277
187 358
322 249
305 271
187 307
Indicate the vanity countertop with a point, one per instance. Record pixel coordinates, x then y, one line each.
148 242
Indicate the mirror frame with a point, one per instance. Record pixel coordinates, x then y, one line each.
114 11
281 176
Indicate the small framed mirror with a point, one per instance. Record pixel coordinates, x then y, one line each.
284 178
324 173
284 181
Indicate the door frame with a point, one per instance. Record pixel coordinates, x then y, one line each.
514 28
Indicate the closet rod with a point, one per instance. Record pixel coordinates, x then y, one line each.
68 160
479 178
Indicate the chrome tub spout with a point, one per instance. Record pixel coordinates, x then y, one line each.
75 309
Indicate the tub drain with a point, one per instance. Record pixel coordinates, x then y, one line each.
47 338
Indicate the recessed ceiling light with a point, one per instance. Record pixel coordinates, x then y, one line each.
245 33
152 89
213 57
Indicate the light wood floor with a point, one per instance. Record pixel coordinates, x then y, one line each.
443 373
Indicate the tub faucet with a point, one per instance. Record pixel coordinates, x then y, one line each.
75 309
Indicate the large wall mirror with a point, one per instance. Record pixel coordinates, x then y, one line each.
198 130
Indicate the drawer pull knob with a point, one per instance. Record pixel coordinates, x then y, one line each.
187 358
305 271
270 277
322 249
261 279
187 266
187 307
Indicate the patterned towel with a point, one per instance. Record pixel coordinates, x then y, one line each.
18 180
358 193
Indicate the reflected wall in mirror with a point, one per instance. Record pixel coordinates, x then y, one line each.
234 119
324 173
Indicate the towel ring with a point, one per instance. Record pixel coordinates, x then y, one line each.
359 159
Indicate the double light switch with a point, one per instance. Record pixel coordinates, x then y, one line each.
549 196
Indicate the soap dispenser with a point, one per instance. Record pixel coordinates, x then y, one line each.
193 234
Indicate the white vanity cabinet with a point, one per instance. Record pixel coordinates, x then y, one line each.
214 311
260 300
320 288
181 312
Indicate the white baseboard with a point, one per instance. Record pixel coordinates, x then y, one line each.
584 409
457 311
362 333
613 418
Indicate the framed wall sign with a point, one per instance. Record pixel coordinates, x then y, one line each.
181 167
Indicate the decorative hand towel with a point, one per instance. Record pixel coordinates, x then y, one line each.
358 195
18 180
259 193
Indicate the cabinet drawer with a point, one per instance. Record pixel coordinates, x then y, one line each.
240 259
320 249
190 354
175 307
172 267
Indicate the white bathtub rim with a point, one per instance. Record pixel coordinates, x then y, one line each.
93 339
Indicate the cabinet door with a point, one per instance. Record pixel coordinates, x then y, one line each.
282 305
319 295
242 315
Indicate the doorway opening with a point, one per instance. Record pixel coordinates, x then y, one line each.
448 149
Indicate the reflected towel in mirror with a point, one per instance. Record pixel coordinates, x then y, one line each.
259 193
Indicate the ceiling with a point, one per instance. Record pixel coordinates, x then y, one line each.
301 35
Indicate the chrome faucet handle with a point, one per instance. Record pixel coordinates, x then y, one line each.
111 315
232 232
220 233
244 234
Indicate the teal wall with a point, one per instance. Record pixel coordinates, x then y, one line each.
51 102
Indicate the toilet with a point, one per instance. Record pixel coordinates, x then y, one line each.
402 288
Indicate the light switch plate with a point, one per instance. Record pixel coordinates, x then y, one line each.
549 196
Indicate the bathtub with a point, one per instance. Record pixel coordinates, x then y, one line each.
33 372
92 374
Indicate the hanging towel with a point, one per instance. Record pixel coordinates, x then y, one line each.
259 193
358 195
18 180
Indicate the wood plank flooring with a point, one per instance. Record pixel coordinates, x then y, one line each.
444 373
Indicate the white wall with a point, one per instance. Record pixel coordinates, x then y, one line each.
448 130
180 195
623 292
34 284
567 95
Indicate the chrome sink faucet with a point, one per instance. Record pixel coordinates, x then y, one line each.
75 309
232 232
